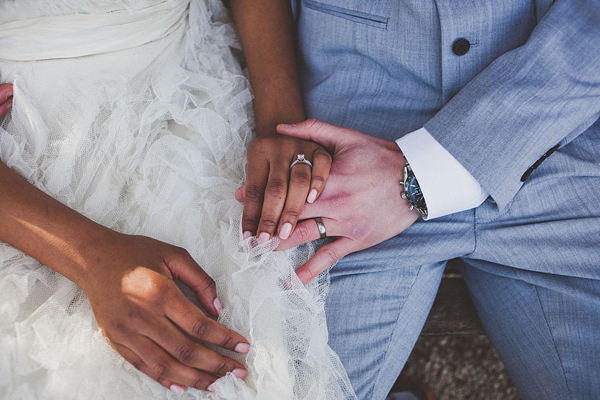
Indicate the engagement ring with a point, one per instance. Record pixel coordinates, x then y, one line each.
301 160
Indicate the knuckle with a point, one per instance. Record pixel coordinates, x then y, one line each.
323 154
292 213
161 369
312 123
138 364
257 145
332 255
269 222
254 193
227 342
303 232
301 177
200 383
185 354
276 187
221 367
249 222
200 328
318 180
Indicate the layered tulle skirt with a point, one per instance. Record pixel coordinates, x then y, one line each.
137 115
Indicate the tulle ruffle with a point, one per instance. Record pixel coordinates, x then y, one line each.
149 139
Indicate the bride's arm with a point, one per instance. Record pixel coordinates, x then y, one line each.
266 31
129 282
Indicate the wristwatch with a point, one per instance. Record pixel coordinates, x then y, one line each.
412 191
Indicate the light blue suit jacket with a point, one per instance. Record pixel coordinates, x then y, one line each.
529 81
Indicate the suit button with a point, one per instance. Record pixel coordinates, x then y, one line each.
461 47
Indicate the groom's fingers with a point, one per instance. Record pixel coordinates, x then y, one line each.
306 231
325 257
320 132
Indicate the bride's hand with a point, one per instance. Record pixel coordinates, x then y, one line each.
149 321
6 92
274 193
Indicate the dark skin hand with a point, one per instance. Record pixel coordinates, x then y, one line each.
129 281
274 193
6 96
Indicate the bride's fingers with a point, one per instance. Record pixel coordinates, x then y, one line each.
192 321
274 199
325 257
300 179
152 360
257 173
320 173
307 231
188 352
183 267
5 107
6 91
140 365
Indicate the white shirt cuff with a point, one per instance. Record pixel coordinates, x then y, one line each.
446 185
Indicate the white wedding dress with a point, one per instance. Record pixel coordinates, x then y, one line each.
137 114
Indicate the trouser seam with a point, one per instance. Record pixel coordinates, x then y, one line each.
553 342
392 332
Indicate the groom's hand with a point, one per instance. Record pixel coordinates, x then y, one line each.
361 204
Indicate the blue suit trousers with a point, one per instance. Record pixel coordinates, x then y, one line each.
529 254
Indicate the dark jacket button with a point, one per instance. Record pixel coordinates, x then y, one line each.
461 47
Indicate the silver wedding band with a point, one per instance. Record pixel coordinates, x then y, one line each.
300 159
321 227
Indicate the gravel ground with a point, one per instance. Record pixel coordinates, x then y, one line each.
459 367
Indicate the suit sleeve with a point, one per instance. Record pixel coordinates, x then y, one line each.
527 101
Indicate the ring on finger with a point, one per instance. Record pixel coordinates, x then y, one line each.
300 159
321 227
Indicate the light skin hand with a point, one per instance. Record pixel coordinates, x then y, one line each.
275 194
361 205
6 97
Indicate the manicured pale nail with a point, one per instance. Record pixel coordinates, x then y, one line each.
312 196
211 387
286 229
238 195
9 94
9 106
263 237
218 306
177 389
239 373
242 348
247 235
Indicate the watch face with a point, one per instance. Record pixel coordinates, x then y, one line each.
414 191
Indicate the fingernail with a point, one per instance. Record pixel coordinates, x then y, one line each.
239 373
247 234
177 389
211 387
286 229
242 348
9 94
218 306
263 238
238 194
312 196
9 106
